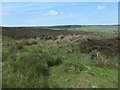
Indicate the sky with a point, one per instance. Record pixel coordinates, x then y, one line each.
58 13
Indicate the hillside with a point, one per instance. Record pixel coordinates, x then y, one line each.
86 27
45 58
31 32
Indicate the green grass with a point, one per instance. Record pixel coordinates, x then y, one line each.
88 76
39 66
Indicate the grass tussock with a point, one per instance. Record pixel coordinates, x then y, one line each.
54 61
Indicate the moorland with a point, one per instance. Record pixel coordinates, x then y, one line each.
72 56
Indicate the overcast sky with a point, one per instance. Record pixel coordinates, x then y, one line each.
58 13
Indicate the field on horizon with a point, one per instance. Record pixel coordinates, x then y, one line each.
60 57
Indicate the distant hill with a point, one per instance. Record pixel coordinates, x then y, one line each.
85 27
98 28
31 32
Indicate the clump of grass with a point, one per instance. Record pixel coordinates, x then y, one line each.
34 63
32 67
34 42
74 67
30 42
20 46
99 58
8 44
54 61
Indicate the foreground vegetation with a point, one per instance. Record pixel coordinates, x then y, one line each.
66 62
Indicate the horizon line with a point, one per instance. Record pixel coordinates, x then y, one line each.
57 25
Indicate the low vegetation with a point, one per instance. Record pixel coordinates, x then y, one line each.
69 61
